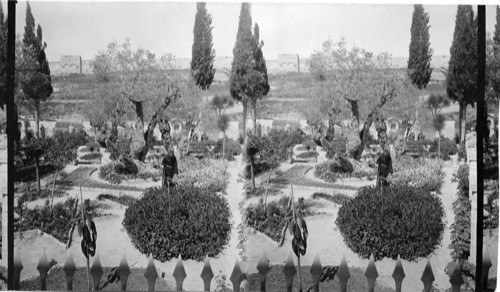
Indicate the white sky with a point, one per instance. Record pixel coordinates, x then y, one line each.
83 28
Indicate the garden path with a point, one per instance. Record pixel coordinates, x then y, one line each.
325 239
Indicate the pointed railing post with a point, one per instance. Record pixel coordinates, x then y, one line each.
343 274
371 274
263 268
123 271
427 277
96 272
398 275
18 266
237 276
289 271
43 269
179 273
69 269
316 272
151 274
207 274
486 267
456 278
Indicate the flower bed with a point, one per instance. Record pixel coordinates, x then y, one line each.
423 173
203 173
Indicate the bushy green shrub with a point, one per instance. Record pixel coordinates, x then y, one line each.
202 173
126 167
423 173
260 191
191 221
461 227
404 220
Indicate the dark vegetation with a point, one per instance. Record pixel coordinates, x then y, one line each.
188 221
405 221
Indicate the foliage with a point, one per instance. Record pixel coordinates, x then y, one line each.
190 221
107 172
272 221
339 199
351 81
32 195
462 70
422 173
404 220
448 147
260 191
491 206
63 146
419 69
56 224
208 174
121 199
203 53
232 147
492 65
461 227
330 170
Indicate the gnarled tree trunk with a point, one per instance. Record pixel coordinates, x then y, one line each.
363 134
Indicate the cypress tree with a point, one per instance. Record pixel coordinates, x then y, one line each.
29 38
262 88
461 81
243 63
419 61
36 82
203 53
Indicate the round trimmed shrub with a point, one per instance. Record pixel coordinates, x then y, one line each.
405 221
198 224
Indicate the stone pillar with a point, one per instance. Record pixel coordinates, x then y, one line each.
470 143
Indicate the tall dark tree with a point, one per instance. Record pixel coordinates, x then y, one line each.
419 62
262 88
36 81
203 53
3 57
461 81
243 75
29 38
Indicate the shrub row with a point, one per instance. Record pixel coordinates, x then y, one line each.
404 220
190 221
122 199
32 195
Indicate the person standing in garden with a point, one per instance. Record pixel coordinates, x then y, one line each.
169 168
384 162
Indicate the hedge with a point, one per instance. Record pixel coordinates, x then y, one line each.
189 221
404 220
